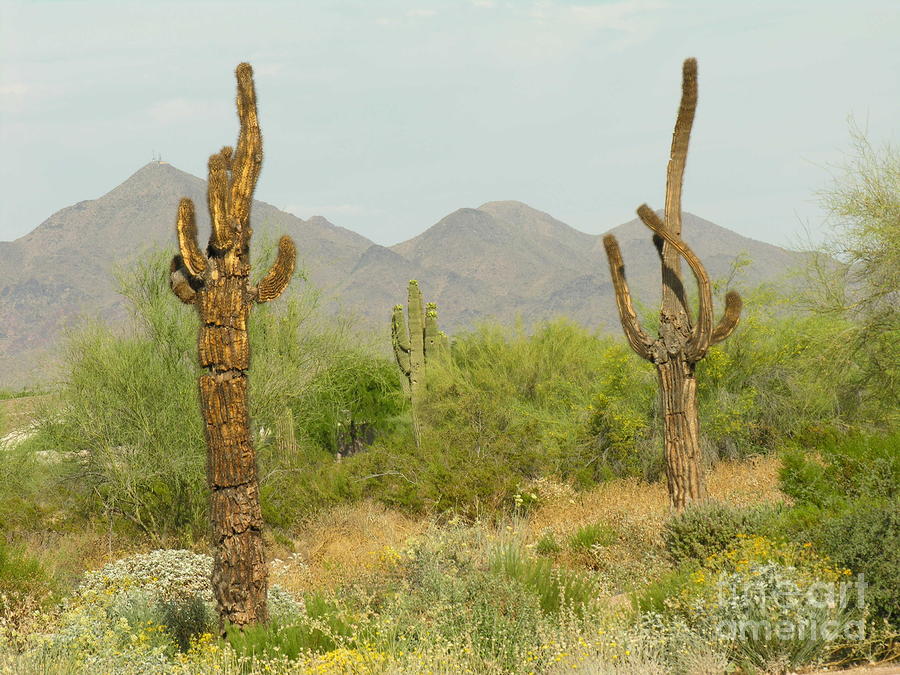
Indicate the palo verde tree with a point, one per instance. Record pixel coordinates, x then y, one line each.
415 347
217 284
681 342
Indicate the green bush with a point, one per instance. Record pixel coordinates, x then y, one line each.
594 534
185 619
852 467
865 538
652 597
704 529
128 428
547 545
847 502
321 628
555 588
19 573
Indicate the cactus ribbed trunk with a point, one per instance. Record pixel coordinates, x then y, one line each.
680 343
678 398
415 347
416 320
217 284
240 575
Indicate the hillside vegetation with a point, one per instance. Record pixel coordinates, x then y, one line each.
527 531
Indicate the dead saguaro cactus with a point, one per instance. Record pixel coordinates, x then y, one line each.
217 284
415 347
681 342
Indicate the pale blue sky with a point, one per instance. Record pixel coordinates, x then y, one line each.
385 115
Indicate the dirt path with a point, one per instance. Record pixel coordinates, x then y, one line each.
890 669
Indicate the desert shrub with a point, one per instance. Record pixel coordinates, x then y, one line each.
863 465
763 387
24 584
166 575
128 430
26 503
654 596
555 588
186 620
353 388
593 534
547 544
847 496
860 292
777 605
704 529
865 538
322 627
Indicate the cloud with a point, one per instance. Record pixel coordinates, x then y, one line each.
421 12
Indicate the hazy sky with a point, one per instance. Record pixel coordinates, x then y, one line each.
385 115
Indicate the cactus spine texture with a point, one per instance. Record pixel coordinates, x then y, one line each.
681 342
217 284
415 347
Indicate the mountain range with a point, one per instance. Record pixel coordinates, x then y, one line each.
503 260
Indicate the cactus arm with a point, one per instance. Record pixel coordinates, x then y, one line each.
702 331
279 276
432 332
180 284
680 139
217 199
639 340
400 340
194 261
247 161
730 318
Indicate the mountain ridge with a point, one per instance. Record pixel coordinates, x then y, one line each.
503 260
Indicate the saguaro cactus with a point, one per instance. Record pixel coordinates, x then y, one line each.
217 284
415 347
681 343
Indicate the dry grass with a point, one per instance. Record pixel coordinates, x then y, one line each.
637 511
343 544
349 543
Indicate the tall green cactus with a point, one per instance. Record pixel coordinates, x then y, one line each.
415 347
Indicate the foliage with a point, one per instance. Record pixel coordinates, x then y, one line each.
593 534
847 468
704 529
129 442
776 605
865 537
19 574
547 545
556 589
186 620
864 205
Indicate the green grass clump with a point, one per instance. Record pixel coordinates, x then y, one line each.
594 534
653 596
322 627
19 573
555 588
547 545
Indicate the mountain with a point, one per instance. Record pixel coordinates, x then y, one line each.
503 260
506 260
64 268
